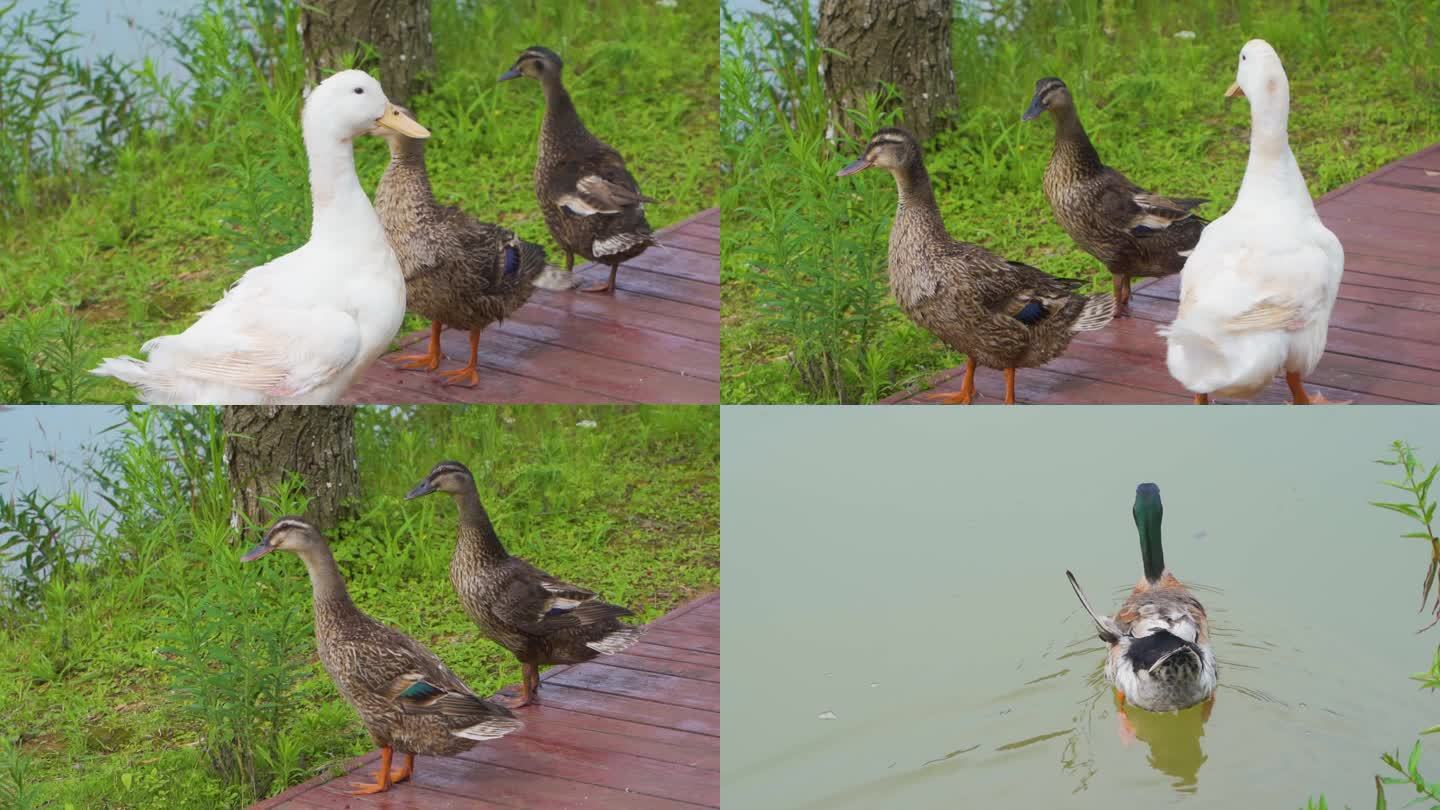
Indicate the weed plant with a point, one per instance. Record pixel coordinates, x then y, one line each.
184 184
156 670
804 312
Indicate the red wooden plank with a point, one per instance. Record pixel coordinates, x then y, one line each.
676 261
404 796
684 320
1424 159
1402 199
634 278
664 653
468 777
698 243
643 685
666 637
634 776
665 715
657 350
1355 213
591 731
663 666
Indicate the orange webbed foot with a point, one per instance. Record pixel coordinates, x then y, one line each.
418 362
468 376
599 288
961 397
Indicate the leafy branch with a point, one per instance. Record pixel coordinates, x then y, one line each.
1422 509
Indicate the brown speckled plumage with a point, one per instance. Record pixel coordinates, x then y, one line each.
973 300
589 199
377 669
540 619
455 267
1131 231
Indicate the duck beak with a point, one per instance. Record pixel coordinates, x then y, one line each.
257 552
1235 91
512 73
401 123
1033 111
422 488
858 166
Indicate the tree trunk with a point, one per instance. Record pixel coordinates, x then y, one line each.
265 443
905 43
398 31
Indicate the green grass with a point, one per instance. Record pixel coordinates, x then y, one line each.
806 313
133 241
158 671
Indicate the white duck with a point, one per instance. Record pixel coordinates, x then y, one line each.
1257 290
299 329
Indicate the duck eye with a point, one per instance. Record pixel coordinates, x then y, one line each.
359 91
1242 57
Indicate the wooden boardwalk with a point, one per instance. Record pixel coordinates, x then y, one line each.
657 339
1384 341
635 731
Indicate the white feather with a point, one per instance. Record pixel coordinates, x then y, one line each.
1258 288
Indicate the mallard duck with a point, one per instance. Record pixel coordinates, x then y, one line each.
1001 314
299 329
407 698
1132 231
591 203
538 618
1256 295
458 272
1160 658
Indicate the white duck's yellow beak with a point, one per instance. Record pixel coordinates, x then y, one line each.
1235 91
401 123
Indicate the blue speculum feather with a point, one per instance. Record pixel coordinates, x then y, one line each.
512 260
1031 313
420 691
556 611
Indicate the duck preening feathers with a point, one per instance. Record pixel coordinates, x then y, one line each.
1000 314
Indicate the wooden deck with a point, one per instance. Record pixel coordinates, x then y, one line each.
1384 341
635 731
657 339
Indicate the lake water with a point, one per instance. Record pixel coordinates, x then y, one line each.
48 448
906 636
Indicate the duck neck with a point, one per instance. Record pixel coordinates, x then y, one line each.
1272 170
341 209
1072 146
477 535
326 585
562 121
917 210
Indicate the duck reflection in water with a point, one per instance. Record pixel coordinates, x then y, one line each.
1173 739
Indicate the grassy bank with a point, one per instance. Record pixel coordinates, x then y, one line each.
807 316
153 669
109 242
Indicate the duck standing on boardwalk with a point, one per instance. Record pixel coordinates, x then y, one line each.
407 698
1000 314
591 203
1256 295
1132 231
1159 641
298 330
458 272
538 618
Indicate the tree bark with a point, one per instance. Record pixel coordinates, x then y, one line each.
398 31
265 443
905 43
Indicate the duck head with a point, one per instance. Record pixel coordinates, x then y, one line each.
289 533
1261 79
1050 94
448 476
891 148
351 103
535 62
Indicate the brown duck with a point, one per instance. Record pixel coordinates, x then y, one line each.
590 202
458 272
540 619
1132 231
407 698
1000 314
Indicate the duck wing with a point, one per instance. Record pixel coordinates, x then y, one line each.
598 183
538 605
1138 211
